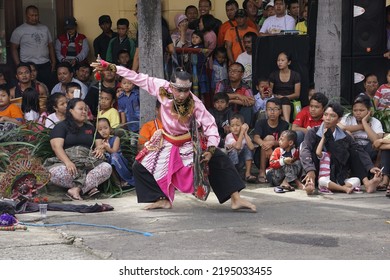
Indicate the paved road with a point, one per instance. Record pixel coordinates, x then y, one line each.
286 226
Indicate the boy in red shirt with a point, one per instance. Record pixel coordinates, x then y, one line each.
307 119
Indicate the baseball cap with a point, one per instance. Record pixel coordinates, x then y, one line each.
104 19
240 13
70 22
270 4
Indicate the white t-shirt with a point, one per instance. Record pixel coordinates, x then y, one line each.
361 136
31 116
51 120
273 24
246 60
229 141
33 41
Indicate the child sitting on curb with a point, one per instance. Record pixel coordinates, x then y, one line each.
285 164
239 146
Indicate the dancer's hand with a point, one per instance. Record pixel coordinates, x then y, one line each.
206 156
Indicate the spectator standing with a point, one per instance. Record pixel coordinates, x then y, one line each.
245 58
72 46
279 22
234 36
101 42
302 25
204 9
191 13
129 105
293 10
35 44
122 41
219 72
252 12
181 36
268 11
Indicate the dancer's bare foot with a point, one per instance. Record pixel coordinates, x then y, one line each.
159 204
239 203
372 184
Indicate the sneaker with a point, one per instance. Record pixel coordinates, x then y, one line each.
324 190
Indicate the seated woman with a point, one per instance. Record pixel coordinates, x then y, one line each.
75 167
364 128
347 157
285 84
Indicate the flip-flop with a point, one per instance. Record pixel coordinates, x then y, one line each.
72 197
279 189
251 179
262 180
288 188
92 192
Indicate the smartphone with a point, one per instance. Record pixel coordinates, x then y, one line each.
76 93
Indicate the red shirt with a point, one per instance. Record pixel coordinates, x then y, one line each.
304 119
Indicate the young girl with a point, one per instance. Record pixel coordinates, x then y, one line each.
56 107
30 104
364 128
198 62
285 84
219 71
382 95
111 145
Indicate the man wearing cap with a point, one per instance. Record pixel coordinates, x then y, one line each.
32 41
71 46
234 41
279 22
100 44
231 7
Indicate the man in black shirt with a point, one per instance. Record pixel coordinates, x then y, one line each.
100 44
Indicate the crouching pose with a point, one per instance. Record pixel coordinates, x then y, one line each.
167 162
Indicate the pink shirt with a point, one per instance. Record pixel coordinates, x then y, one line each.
171 124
